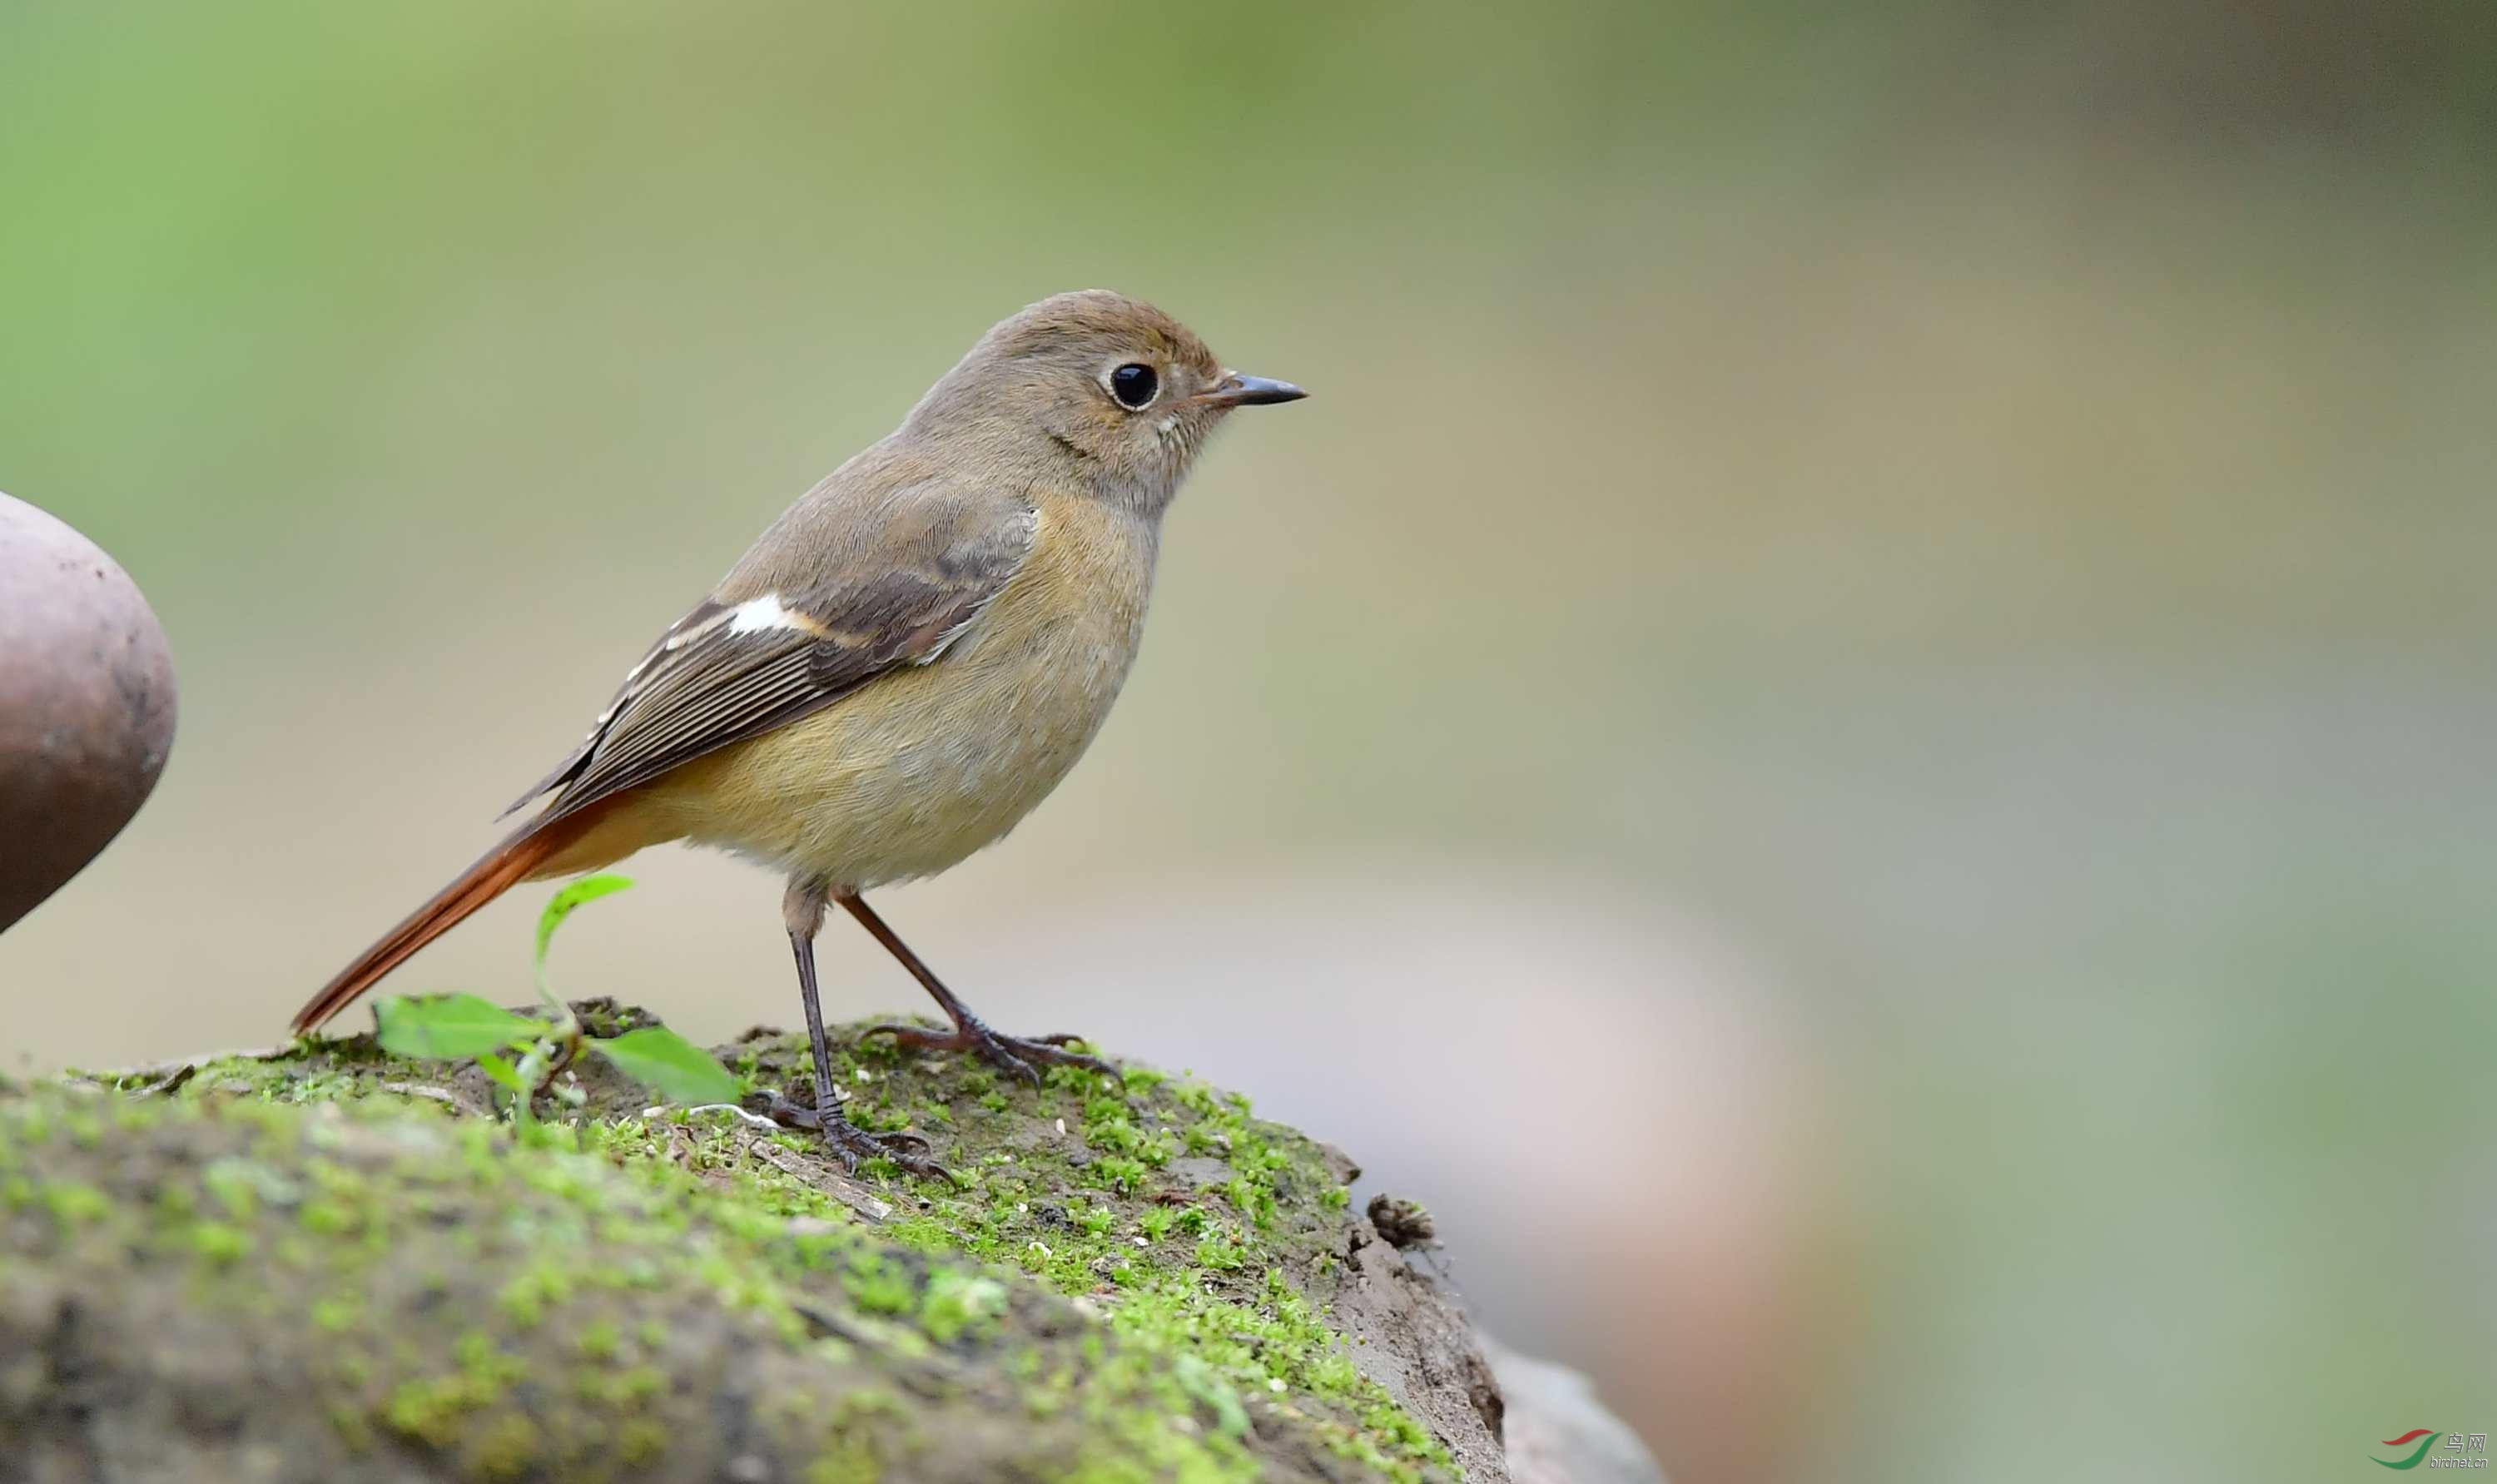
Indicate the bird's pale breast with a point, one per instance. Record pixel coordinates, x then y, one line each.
928 762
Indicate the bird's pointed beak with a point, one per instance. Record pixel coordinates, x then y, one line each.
1237 390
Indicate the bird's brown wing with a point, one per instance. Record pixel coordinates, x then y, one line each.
837 593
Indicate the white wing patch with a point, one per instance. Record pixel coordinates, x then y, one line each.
757 616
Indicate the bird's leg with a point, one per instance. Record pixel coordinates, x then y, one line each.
1016 1054
804 911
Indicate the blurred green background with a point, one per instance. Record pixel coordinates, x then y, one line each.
1853 731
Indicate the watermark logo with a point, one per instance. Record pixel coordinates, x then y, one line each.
2461 1450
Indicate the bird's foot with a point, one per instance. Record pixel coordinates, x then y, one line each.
1014 1054
853 1143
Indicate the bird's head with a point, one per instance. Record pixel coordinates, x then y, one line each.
1106 388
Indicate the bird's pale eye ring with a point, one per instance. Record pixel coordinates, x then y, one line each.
1132 385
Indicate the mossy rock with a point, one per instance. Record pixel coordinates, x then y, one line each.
326 1263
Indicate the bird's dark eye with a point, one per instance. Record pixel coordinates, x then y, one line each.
1133 385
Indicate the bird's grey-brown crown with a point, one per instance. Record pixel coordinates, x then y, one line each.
1105 319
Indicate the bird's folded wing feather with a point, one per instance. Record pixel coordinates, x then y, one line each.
839 592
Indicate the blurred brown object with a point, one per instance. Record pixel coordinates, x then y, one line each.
1401 1222
86 703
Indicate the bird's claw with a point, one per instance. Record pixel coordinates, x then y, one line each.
1012 1054
852 1143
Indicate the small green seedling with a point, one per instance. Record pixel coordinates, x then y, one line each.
524 1055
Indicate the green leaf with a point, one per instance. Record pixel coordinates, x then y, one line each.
444 1027
681 1071
586 889
500 1070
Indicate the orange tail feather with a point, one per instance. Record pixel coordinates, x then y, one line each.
493 876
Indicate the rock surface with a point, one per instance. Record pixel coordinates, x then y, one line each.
86 703
326 1263
1559 1432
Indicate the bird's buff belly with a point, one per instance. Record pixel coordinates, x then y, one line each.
910 774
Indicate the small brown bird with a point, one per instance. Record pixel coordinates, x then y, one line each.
906 663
